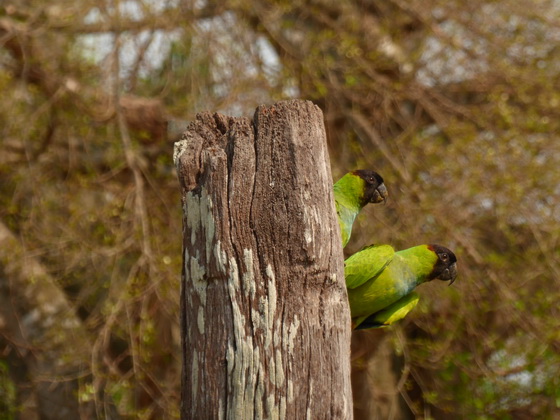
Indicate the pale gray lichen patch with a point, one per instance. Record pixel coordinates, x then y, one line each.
290 390
311 220
221 411
249 374
279 374
272 408
252 387
248 277
179 148
243 361
291 335
272 369
196 276
282 404
200 320
233 278
256 318
200 219
259 394
309 399
221 257
269 307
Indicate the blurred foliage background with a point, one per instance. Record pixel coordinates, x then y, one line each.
456 104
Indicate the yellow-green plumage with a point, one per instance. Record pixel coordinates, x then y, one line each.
392 313
347 212
377 277
351 193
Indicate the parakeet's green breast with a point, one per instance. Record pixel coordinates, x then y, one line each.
346 217
348 195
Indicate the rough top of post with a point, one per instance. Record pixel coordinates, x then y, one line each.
221 121
213 131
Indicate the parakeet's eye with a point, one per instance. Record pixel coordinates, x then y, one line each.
444 257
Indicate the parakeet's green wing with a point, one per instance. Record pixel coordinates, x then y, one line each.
367 264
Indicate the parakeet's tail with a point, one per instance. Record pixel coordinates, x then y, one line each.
357 322
369 323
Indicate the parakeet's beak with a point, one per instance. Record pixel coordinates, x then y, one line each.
449 274
380 194
452 273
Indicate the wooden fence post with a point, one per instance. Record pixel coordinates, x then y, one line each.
265 318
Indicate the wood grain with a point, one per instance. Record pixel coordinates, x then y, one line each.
265 318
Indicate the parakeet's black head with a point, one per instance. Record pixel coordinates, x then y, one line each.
375 191
445 267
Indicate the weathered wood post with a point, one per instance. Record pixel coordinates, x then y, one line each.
265 319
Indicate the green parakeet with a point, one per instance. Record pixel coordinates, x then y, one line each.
378 278
352 192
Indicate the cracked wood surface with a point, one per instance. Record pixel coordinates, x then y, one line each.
265 319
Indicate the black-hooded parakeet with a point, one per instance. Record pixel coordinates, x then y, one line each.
378 278
352 192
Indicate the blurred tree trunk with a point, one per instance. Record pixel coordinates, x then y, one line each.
377 373
265 319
